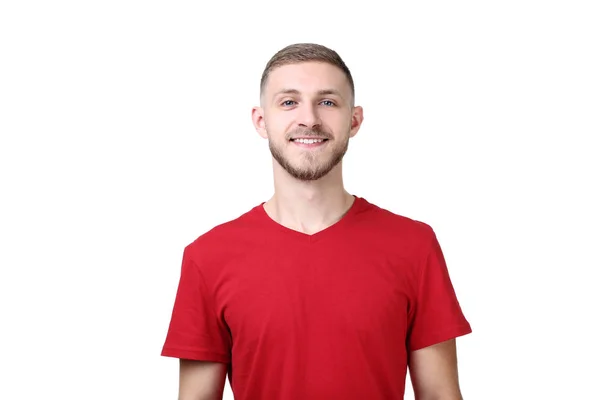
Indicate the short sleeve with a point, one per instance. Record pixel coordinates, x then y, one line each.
437 315
195 332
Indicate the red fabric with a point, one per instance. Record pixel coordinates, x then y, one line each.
324 316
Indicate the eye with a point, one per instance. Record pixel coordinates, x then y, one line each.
288 103
328 103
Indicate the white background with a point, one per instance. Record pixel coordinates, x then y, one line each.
126 133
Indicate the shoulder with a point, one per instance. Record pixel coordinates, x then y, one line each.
391 224
225 238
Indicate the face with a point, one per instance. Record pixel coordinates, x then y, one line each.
308 117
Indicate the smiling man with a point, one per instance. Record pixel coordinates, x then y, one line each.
316 293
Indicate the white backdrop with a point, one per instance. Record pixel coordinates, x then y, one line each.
126 133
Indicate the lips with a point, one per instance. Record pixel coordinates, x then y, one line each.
309 137
308 140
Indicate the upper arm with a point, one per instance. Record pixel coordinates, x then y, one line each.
198 334
435 321
434 372
201 380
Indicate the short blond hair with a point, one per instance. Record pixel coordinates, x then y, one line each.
305 52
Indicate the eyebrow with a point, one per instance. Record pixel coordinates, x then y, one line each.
322 92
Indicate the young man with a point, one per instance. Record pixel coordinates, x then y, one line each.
315 294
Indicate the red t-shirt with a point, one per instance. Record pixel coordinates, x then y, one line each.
325 316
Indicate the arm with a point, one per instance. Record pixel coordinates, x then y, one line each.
201 380
434 372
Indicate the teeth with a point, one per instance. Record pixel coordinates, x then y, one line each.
308 141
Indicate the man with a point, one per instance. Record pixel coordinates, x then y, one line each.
315 294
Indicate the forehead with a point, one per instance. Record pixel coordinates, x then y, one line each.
309 77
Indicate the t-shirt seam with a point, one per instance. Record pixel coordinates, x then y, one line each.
433 336
209 293
420 281
195 350
423 268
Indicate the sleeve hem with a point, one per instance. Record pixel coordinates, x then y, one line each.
199 355
442 336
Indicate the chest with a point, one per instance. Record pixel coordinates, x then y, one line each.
292 296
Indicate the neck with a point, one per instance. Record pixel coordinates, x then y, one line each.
308 207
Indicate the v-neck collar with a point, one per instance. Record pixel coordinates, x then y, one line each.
311 238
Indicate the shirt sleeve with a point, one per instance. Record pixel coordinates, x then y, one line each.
195 331
437 315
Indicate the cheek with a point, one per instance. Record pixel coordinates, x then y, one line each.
336 120
278 124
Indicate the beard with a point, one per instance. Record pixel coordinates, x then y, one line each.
314 165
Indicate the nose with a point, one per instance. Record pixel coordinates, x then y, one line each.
308 116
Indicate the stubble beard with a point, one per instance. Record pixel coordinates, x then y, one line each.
313 166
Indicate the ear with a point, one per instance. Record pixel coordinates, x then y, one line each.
258 119
357 120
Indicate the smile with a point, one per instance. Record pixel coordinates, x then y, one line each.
308 141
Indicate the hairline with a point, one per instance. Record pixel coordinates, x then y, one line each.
268 72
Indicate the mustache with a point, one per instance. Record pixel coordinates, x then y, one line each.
309 133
